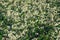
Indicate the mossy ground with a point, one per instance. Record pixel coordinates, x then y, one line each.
29 19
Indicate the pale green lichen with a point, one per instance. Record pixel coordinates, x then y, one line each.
29 19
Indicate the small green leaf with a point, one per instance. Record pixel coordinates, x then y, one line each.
0 37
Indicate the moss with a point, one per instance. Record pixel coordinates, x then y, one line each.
29 19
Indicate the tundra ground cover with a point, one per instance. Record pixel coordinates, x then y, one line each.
29 19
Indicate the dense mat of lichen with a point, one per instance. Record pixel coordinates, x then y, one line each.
29 19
